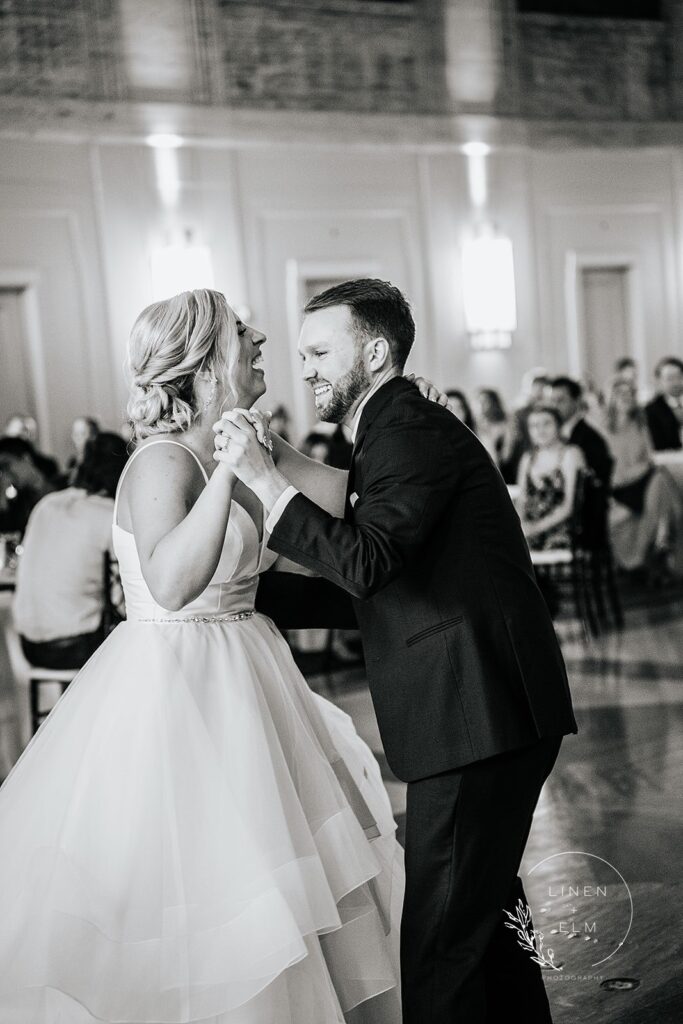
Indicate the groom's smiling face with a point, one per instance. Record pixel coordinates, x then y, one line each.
333 362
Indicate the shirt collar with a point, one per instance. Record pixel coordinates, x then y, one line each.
568 427
675 403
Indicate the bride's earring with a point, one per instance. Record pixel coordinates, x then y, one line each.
211 395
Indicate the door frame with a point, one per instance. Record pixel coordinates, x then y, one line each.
26 283
297 272
576 263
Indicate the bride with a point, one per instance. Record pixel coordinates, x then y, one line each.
193 835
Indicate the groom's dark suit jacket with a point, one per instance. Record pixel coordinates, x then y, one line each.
461 654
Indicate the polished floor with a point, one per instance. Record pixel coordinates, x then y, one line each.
613 806
603 867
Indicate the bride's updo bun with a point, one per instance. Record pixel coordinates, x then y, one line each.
170 344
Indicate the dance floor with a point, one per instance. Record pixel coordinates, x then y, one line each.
613 806
602 867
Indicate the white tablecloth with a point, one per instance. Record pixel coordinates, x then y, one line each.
673 462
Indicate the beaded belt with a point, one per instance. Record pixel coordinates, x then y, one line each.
236 617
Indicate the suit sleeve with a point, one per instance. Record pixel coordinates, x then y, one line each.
409 476
294 601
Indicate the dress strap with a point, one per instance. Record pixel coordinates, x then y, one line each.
158 440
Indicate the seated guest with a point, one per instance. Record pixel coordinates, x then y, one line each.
316 445
281 422
461 408
22 484
498 433
533 393
334 449
627 369
26 428
339 448
83 429
566 397
593 402
547 479
60 598
665 412
647 510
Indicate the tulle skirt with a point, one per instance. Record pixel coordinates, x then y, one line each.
193 835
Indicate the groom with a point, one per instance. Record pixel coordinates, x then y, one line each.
464 668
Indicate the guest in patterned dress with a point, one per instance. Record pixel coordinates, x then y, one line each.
547 481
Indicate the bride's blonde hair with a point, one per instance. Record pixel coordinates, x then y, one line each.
171 343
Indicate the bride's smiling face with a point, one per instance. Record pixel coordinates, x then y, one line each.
250 378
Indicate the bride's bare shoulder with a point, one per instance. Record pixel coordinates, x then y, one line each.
159 471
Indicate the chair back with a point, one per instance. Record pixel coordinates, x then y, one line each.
592 527
111 616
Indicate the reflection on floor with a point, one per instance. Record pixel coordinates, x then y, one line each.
603 866
612 807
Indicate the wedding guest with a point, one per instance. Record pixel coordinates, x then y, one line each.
461 408
60 596
533 392
547 480
592 401
627 369
647 510
25 428
83 429
497 432
339 448
316 445
567 397
281 422
22 484
665 412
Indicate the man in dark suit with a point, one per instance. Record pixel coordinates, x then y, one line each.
665 412
465 671
567 395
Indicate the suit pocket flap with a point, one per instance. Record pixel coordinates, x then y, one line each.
431 630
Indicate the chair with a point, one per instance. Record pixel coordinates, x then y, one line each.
596 541
572 565
39 676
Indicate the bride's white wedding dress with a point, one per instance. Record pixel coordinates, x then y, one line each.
193 835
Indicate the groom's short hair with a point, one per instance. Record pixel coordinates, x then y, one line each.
377 308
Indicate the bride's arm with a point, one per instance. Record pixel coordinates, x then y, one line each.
322 484
179 525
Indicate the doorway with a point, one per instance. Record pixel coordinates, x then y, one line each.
605 321
17 384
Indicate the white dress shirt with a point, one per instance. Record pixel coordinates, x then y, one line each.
567 427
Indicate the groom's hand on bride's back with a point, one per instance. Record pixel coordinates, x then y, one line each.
430 391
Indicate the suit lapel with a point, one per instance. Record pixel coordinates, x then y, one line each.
381 398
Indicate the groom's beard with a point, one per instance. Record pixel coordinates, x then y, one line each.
345 393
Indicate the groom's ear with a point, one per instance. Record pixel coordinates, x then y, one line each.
378 353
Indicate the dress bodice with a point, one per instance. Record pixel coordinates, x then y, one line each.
232 588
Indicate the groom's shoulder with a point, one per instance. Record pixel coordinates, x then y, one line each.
409 407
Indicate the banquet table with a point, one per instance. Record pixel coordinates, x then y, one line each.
8 578
672 461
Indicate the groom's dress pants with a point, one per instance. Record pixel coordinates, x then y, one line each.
466 831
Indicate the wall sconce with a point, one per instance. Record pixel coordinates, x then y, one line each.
180 268
488 283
